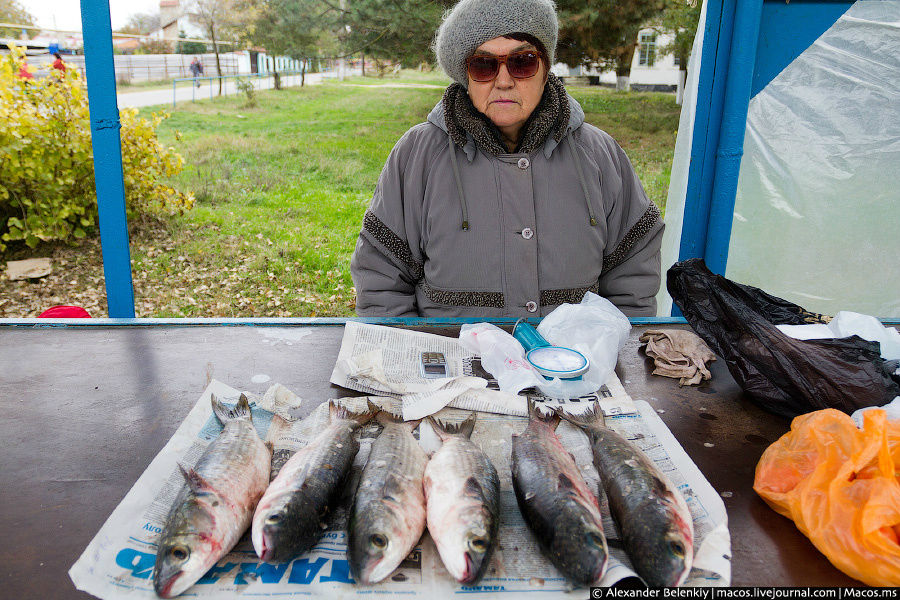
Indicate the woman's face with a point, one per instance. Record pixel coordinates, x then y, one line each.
506 101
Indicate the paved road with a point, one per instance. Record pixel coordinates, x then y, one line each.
186 93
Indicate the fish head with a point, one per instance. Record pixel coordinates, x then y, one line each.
664 553
377 544
180 561
580 544
273 530
468 544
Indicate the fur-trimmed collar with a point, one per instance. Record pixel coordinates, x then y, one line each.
550 117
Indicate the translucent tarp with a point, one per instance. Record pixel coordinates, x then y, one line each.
817 211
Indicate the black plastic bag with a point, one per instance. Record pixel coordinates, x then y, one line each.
785 376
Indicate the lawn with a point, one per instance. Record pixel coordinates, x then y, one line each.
281 189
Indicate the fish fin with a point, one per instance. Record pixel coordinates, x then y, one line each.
241 410
473 488
446 430
337 412
195 480
538 414
591 418
386 417
564 483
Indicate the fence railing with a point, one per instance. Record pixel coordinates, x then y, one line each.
287 78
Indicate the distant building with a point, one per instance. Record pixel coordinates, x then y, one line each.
173 19
649 70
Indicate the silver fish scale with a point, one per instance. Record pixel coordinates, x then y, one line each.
470 461
394 453
332 450
237 445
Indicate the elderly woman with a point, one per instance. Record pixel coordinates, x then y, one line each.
505 203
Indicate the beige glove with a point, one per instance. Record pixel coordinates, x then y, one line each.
678 353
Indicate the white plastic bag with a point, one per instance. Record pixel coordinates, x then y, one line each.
595 327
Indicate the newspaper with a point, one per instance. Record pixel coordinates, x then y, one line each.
374 359
119 561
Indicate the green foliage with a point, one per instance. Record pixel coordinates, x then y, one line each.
189 47
300 29
46 168
11 11
603 32
399 30
682 18
245 86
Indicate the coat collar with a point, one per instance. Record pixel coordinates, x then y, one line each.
576 119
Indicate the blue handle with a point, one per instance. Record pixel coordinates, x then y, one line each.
528 336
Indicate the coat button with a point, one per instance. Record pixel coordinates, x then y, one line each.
527 233
523 163
531 306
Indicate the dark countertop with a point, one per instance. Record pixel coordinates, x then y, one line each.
85 410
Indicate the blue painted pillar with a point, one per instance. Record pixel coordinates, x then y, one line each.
107 150
729 54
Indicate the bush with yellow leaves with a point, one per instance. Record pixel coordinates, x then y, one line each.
46 168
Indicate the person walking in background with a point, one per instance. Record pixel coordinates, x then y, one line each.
196 69
58 64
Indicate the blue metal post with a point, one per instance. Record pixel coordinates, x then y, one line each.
741 63
173 93
107 150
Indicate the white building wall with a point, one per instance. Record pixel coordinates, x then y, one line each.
663 72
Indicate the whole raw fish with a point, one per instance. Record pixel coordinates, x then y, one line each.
288 518
388 515
214 507
462 501
656 525
556 502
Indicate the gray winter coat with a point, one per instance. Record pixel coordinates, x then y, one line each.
456 232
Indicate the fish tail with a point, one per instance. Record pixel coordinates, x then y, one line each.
591 418
446 430
536 414
241 410
338 412
386 417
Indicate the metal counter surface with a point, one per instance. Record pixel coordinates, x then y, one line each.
85 410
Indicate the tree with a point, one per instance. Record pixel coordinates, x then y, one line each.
399 30
13 12
142 23
681 17
299 29
218 20
604 32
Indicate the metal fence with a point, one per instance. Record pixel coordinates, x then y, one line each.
134 68
288 78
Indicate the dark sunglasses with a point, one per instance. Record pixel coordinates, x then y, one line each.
521 65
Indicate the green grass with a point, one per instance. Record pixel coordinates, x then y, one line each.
281 189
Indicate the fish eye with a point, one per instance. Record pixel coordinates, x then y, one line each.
274 518
378 540
478 544
677 549
180 552
595 538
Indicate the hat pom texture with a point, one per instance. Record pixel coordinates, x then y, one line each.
473 22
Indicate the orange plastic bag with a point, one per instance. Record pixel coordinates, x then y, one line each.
840 486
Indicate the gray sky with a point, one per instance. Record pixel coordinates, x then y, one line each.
68 12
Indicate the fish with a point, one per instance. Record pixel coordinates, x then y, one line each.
557 503
462 501
288 518
213 508
388 515
652 515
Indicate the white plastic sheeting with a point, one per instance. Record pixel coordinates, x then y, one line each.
817 211
678 181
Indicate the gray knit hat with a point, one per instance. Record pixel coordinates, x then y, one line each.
473 22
